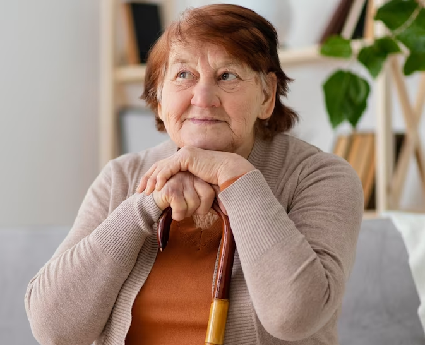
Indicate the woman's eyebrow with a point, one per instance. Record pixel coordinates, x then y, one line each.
220 64
230 63
177 60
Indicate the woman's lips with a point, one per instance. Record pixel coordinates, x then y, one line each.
204 121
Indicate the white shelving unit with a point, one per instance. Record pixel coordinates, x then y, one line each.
113 77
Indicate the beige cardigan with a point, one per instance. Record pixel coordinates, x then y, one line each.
295 221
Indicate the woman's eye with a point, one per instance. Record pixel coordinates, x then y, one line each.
184 75
228 76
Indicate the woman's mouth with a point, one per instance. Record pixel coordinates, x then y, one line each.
204 121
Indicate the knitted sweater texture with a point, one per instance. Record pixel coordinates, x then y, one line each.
295 220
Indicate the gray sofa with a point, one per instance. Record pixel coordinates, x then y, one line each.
380 304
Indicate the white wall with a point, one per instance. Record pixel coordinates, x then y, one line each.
49 83
48 108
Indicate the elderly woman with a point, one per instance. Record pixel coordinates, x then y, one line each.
214 81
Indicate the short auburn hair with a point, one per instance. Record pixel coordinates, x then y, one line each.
244 34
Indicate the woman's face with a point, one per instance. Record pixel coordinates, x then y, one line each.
211 100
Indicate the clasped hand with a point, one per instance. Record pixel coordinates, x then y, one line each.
188 180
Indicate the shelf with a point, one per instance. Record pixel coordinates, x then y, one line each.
130 74
287 57
370 214
311 54
113 76
373 214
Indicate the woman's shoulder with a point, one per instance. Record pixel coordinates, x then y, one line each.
303 153
288 160
317 165
289 153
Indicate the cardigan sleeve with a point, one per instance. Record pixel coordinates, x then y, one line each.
296 261
71 297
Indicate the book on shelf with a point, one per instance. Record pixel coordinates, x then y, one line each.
142 26
337 20
368 181
360 158
342 145
355 22
131 44
368 25
359 150
350 19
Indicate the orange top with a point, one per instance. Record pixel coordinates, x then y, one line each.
173 305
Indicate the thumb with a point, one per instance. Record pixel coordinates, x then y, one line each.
216 189
159 200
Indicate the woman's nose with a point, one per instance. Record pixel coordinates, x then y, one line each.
205 95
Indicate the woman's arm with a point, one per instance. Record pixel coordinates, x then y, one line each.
71 297
296 263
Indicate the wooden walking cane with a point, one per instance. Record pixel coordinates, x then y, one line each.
220 302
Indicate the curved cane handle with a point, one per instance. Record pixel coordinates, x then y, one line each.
164 224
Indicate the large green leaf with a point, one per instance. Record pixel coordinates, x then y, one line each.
336 46
414 62
395 13
346 97
414 36
373 56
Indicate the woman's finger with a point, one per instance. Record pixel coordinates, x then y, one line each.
150 186
191 196
206 194
158 175
180 194
178 206
163 175
151 182
145 178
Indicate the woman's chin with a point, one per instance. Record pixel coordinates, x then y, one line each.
213 145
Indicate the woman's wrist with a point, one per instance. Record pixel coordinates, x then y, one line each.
227 183
232 170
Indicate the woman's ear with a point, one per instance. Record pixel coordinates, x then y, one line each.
269 92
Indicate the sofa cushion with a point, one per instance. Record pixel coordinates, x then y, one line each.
381 302
23 251
379 307
412 228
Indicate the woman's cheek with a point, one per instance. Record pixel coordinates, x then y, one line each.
180 104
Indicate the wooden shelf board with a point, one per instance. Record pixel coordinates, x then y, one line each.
130 74
373 214
370 214
307 55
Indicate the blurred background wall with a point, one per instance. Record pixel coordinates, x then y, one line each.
48 108
49 105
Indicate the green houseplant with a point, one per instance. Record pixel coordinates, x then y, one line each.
346 93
